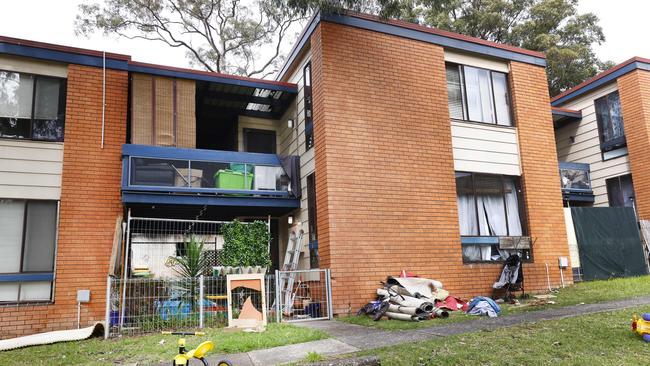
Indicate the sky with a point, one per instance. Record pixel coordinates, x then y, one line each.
52 21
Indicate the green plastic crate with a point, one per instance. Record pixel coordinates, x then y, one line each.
237 167
228 179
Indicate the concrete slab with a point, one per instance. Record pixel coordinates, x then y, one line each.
297 352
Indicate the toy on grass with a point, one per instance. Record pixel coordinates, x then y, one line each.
642 326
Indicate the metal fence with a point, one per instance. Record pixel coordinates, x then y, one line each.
144 305
152 241
303 295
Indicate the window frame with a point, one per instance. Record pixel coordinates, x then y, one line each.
312 221
615 143
465 106
523 217
308 101
62 103
618 180
14 277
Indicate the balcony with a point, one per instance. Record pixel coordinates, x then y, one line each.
175 176
575 182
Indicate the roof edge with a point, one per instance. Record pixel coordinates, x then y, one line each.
116 61
601 79
418 32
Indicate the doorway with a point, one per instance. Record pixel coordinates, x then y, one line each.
259 141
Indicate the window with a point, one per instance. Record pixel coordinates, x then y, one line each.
620 191
309 120
478 95
31 107
489 207
27 244
311 213
610 122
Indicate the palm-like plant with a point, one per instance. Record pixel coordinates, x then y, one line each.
192 264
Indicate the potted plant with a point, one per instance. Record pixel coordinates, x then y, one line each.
189 267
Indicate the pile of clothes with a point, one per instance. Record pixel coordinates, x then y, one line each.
412 299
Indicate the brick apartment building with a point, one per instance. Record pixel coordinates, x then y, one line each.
601 127
394 146
602 139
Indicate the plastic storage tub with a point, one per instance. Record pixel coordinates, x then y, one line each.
238 167
228 179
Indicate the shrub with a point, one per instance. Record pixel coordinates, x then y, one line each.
246 244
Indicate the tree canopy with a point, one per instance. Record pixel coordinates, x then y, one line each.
249 37
554 27
242 37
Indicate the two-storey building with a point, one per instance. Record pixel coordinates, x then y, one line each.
393 146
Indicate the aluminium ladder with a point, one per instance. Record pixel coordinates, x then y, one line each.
288 277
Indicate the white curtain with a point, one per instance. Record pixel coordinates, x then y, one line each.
15 95
512 206
479 94
467 215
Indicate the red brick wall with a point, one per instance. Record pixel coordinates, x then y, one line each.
634 91
540 175
384 166
90 204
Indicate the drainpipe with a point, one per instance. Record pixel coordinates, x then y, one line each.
103 93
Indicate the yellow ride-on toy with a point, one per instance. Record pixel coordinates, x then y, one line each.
642 326
183 357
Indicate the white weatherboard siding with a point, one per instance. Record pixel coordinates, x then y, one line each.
32 66
471 60
586 145
292 142
484 148
30 169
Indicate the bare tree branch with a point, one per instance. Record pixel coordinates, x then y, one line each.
246 37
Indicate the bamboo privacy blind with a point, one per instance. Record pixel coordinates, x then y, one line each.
163 111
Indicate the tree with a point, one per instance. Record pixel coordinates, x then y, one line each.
553 27
242 37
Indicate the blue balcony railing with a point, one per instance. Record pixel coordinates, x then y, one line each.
166 170
574 177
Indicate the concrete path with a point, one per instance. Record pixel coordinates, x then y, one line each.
349 338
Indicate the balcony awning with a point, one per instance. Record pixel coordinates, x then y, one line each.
562 116
244 100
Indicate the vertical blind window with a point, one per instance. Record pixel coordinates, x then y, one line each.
31 107
610 121
309 119
478 95
27 244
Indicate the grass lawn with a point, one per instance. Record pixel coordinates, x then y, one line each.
592 292
598 339
147 349
582 292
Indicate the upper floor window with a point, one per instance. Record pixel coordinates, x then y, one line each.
32 107
478 95
610 122
309 120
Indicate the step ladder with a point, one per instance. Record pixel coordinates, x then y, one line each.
288 277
